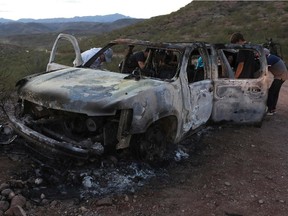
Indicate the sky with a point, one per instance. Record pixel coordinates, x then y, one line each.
41 9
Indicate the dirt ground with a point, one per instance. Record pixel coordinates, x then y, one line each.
234 171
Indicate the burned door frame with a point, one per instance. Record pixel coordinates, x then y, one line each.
197 96
78 59
239 100
201 91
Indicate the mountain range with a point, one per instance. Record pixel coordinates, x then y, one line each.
76 25
97 18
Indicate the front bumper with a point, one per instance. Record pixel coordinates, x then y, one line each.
46 145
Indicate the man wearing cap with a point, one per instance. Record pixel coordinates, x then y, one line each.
278 68
97 64
246 64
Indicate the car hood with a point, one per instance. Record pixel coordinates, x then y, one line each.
88 91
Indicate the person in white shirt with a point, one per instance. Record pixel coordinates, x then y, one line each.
97 64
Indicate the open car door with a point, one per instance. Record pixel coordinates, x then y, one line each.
240 100
52 65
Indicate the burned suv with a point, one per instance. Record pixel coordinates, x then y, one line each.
82 112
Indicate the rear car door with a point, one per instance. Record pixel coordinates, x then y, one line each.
241 100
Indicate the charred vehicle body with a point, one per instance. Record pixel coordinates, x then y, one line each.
81 112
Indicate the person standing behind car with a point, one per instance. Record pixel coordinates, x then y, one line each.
246 64
278 68
98 63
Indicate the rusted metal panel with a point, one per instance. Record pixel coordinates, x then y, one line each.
239 102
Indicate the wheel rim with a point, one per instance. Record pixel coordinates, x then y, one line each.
152 146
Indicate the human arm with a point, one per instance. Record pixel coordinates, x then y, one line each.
141 64
239 69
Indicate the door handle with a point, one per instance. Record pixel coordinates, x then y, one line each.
254 89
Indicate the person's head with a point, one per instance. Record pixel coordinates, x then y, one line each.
266 51
237 38
146 51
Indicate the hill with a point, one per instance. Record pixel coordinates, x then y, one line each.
213 21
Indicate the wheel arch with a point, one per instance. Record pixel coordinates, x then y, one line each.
167 124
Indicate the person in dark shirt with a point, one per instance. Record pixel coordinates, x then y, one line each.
136 60
171 58
166 64
279 70
246 64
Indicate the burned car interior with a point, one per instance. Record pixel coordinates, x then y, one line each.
82 112
160 63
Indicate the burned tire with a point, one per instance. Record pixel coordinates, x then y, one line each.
151 146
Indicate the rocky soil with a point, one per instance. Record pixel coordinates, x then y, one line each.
228 171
